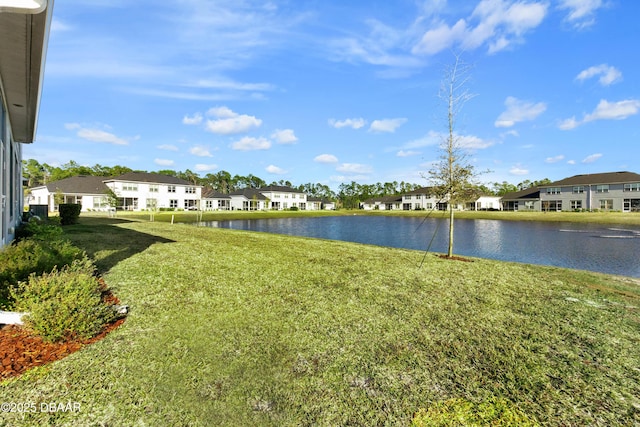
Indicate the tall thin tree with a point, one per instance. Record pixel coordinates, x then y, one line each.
453 176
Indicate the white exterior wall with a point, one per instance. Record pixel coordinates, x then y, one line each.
89 202
488 202
239 203
146 193
420 201
11 199
284 200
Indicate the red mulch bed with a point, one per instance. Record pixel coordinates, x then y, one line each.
21 349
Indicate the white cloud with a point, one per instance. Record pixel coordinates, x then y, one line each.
275 170
164 162
519 111
498 24
251 144
614 110
285 136
568 124
403 153
580 12
228 122
608 75
167 147
326 158
571 162
196 119
471 142
386 125
517 170
605 111
200 151
554 159
592 158
96 135
354 168
201 167
350 123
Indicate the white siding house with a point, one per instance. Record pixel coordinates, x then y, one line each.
423 199
24 30
283 197
89 191
141 190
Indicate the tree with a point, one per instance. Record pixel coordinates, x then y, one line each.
453 176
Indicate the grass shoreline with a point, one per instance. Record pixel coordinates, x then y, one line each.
242 328
626 218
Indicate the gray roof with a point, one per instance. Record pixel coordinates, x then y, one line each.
154 178
210 193
597 178
249 193
529 193
385 199
81 184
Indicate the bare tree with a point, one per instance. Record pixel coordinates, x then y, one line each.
453 176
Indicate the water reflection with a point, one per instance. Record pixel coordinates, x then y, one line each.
602 248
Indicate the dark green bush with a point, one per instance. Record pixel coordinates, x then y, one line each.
69 213
39 230
29 256
65 303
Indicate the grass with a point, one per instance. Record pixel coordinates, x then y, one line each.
237 328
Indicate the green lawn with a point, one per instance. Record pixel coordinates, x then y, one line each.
232 328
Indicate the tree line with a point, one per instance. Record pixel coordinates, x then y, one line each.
350 194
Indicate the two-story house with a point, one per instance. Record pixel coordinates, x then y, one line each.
610 191
142 190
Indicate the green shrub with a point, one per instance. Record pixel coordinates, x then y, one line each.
65 303
69 213
461 412
39 230
19 260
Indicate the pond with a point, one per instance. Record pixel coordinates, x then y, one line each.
595 247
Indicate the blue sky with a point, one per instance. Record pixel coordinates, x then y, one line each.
334 91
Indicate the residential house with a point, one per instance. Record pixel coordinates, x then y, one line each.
89 191
486 203
284 197
24 30
383 203
524 200
248 199
215 201
610 191
142 190
423 199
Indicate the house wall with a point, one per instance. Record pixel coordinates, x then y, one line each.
589 196
420 201
281 200
240 203
11 199
146 195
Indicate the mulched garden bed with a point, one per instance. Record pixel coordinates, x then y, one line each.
22 349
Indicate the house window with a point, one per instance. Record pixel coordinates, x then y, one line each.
100 203
578 189
173 203
606 204
171 189
429 205
576 205
602 188
632 187
190 190
129 186
552 205
154 188
208 204
152 203
418 197
553 190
